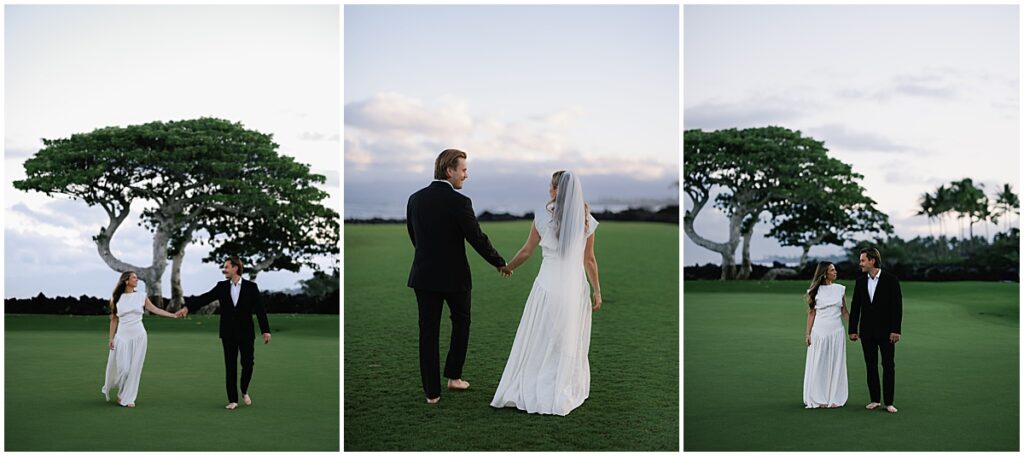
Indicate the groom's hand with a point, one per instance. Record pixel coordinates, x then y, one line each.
854 336
266 338
505 271
894 337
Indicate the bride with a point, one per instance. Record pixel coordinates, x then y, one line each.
825 382
548 371
128 339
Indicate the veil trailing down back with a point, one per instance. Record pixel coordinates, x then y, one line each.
548 371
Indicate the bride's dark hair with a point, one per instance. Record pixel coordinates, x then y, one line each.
819 276
122 283
551 204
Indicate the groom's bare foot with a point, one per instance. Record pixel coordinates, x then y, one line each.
458 384
872 406
891 409
231 406
246 399
434 400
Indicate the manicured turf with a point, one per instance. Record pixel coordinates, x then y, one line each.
956 372
634 353
54 368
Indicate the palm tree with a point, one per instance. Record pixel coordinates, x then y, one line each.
1006 203
927 209
942 205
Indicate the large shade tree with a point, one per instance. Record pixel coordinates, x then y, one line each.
186 176
831 208
749 172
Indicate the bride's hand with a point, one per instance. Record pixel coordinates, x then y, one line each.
597 301
807 339
111 343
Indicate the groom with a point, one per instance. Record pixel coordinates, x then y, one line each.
878 312
239 299
440 220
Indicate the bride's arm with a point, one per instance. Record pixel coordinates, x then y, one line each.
846 313
156 310
590 265
810 324
527 250
113 325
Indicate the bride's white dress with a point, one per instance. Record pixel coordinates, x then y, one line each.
825 381
548 371
124 363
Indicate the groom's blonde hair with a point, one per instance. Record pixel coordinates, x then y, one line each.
448 159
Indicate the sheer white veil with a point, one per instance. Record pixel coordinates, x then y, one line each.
569 216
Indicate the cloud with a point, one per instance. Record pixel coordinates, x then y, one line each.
934 83
396 114
837 136
747 114
401 135
11 153
315 136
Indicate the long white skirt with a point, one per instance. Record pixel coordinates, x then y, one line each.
548 371
124 363
825 382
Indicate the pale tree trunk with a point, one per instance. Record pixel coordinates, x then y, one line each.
150 275
177 293
747 267
804 256
726 249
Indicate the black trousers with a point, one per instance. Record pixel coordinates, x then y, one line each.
232 348
430 305
872 345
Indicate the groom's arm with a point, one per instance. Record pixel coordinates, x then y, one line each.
896 308
261 312
202 300
408 222
854 311
471 231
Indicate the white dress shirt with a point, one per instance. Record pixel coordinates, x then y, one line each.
236 289
873 283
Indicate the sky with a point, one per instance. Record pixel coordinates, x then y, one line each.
72 69
911 96
524 90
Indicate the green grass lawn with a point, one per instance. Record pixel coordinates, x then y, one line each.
634 353
54 368
956 372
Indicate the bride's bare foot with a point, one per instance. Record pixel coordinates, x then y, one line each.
246 399
231 406
434 400
890 409
872 406
458 384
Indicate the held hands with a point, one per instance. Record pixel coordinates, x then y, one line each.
505 271
854 336
183 312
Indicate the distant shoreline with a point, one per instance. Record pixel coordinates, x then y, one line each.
668 214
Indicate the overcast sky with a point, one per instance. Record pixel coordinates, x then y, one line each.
911 96
72 69
524 90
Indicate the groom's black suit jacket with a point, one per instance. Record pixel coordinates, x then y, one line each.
882 315
235 320
440 220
